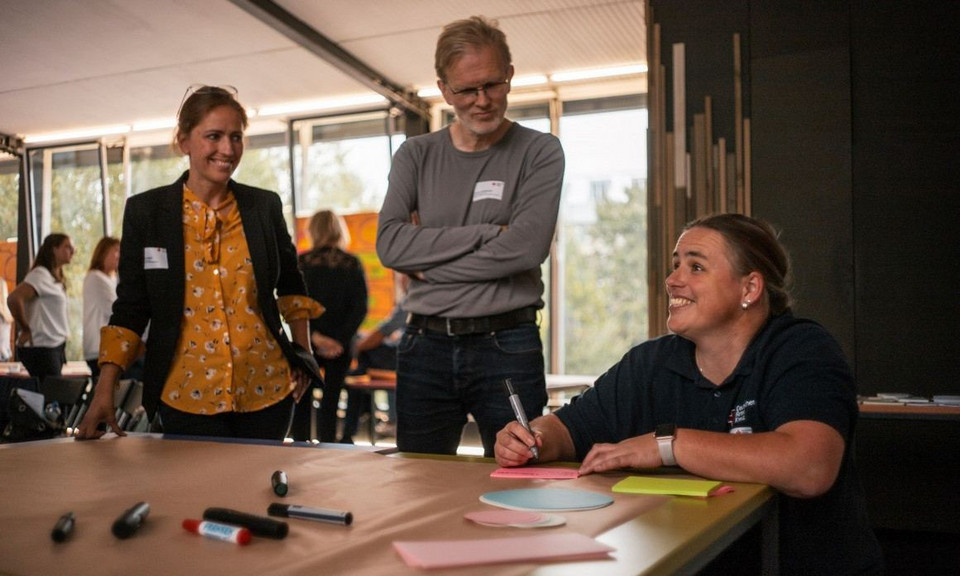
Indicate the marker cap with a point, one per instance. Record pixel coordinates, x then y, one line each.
279 482
63 528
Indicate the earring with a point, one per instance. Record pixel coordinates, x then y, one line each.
745 304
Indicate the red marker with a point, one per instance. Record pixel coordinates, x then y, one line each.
218 531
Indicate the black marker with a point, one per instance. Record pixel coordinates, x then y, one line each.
130 520
279 482
63 528
521 415
315 514
257 525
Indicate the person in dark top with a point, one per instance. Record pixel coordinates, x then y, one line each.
334 278
741 391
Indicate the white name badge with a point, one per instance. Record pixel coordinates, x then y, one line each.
155 259
489 190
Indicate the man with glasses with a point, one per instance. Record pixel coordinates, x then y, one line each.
470 215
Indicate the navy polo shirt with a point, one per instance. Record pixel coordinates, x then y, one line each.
792 370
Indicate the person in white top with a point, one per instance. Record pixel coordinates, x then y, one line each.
99 292
39 306
6 323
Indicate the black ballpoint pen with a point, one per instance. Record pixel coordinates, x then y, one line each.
520 414
315 514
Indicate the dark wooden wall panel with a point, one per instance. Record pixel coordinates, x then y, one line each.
855 115
906 172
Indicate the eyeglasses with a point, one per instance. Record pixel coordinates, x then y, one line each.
205 89
491 89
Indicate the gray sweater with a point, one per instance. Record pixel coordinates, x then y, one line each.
471 265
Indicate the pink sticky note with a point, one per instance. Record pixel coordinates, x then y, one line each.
536 473
503 517
450 553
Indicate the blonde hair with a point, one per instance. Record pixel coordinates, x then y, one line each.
463 35
103 248
328 229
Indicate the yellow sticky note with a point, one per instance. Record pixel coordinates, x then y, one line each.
660 485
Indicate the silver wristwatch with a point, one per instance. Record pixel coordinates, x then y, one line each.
665 435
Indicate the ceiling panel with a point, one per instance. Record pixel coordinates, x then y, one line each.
72 65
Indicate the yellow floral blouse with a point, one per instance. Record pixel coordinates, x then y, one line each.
227 359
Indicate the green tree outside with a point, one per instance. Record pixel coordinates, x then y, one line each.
605 283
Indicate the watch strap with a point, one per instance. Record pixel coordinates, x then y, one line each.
665 435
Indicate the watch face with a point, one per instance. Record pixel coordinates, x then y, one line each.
664 430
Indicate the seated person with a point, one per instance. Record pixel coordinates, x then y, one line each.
741 391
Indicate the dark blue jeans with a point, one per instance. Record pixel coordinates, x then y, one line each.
441 379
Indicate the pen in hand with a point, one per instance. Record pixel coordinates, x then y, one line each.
520 414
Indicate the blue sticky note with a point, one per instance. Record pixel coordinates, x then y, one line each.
547 499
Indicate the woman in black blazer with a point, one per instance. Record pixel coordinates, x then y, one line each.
209 265
335 278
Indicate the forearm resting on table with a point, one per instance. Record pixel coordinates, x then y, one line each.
801 458
556 443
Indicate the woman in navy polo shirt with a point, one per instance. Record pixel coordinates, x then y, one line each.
741 391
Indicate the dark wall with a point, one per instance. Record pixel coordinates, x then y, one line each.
801 152
906 192
855 116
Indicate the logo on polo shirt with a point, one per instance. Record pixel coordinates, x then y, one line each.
739 416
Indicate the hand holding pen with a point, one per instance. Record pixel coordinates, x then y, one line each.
521 415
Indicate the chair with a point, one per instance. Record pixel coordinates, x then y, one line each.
68 392
128 400
7 385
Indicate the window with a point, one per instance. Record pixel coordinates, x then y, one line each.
601 236
597 278
342 163
72 196
9 197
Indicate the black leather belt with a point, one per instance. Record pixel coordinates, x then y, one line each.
478 325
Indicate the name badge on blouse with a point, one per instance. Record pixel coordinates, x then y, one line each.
488 190
155 259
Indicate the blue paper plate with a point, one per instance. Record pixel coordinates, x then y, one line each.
547 499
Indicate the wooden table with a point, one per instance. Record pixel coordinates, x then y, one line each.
71 368
391 497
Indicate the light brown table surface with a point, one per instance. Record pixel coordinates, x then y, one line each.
391 497
71 368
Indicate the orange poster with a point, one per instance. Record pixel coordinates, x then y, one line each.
363 237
